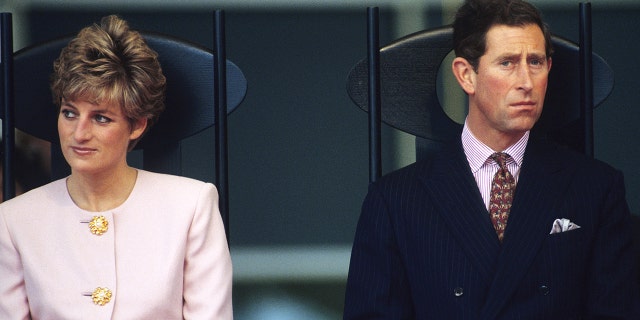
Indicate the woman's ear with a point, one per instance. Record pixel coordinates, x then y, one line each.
465 74
139 126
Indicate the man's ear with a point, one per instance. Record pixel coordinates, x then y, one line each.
549 63
464 73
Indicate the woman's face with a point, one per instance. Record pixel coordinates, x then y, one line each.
95 137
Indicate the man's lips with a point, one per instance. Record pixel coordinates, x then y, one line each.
523 104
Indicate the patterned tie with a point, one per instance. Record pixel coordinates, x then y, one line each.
502 189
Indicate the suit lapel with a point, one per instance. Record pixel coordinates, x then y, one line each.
458 200
542 180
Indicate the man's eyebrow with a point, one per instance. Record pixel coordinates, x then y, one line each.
515 56
507 56
540 56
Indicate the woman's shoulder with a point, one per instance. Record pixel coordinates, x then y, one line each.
170 191
45 195
166 182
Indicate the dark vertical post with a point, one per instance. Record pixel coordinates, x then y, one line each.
220 105
7 100
373 57
586 77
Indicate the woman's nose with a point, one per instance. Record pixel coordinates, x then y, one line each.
82 130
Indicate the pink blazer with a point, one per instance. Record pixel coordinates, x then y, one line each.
164 254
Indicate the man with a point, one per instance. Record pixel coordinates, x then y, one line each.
547 238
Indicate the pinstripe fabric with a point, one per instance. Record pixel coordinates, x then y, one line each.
425 247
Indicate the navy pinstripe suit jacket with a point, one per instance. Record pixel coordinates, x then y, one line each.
425 247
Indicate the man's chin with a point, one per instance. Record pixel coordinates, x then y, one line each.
523 124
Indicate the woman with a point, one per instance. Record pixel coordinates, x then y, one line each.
111 241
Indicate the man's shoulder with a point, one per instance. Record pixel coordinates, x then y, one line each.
573 159
413 173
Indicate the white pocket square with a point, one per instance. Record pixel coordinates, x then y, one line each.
562 225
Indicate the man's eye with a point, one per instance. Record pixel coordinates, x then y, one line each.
539 62
506 63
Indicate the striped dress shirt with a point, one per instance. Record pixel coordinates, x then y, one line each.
483 167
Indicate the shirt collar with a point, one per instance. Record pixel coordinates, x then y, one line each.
477 152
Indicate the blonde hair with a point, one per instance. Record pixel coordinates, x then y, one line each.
111 63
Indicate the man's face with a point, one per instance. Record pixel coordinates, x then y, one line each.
507 92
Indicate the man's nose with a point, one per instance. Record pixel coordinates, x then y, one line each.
525 80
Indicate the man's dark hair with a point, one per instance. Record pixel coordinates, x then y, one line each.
475 17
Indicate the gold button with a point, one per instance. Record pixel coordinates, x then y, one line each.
98 225
101 296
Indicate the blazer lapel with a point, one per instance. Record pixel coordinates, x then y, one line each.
458 200
542 179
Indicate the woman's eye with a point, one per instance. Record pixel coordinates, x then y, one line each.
102 119
67 113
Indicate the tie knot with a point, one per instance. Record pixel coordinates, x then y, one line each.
500 158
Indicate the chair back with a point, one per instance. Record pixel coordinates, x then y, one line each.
409 87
